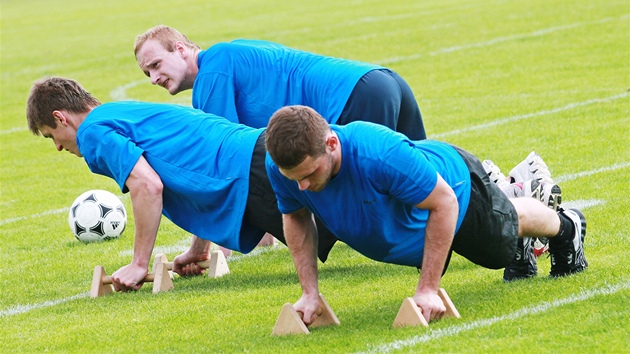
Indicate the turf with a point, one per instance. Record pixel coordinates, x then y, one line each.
499 78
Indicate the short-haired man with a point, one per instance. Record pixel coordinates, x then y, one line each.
401 201
246 81
203 172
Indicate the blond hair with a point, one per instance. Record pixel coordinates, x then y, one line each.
167 36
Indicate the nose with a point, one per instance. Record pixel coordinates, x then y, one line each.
303 184
59 147
154 78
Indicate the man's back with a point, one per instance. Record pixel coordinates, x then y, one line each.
202 160
249 80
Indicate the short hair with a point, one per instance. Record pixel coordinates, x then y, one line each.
294 133
167 36
56 93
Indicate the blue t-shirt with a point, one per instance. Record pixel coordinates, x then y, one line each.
246 81
370 203
203 161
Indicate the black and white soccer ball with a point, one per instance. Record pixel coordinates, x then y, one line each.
97 215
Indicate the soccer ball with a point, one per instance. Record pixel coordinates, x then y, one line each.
97 215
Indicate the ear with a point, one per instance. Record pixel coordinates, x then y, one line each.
181 49
332 142
60 117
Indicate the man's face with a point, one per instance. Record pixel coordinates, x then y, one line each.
312 174
64 137
167 69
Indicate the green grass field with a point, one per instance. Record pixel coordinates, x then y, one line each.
498 77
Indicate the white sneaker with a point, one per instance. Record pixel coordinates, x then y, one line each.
533 167
495 174
548 193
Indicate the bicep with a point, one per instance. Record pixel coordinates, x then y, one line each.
143 176
441 196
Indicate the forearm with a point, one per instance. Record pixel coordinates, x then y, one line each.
301 236
145 187
147 210
199 247
443 210
438 239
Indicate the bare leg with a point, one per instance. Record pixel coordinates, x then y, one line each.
267 240
535 219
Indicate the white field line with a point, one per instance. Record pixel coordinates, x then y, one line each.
502 121
592 172
175 248
120 93
583 204
13 130
34 216
19 309
497 40
46 213
525 311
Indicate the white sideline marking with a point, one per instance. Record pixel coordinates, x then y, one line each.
582 204
120 92
529 115
13 130
19 309
176 248
493 41
33 216
592 172
49 212
525 311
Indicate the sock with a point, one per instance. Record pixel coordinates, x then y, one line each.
566 229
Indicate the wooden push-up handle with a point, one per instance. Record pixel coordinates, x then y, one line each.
216 266
411 315
102 283
290 321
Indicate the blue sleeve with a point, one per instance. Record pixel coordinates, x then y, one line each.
108 153
215 93
281 185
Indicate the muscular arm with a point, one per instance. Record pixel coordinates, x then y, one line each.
301 236
145 187
443 211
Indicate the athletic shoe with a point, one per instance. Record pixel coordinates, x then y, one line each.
495 174
514 190
533 167
524 263
541 246
567 255
548 193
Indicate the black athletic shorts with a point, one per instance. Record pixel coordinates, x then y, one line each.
489 233
383 97
262 211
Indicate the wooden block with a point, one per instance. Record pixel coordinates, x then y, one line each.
218 265
98 287
327 316
290 321
161 258
409 315
101 282
162 280
451 311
